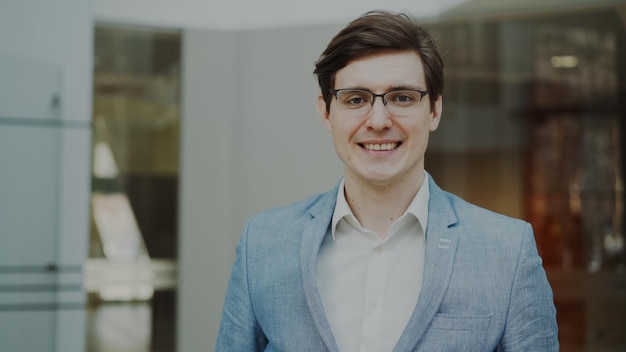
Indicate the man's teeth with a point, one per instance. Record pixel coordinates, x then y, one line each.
385 146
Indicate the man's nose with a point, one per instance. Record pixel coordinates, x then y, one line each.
378 117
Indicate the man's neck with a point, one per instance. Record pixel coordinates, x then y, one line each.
378 206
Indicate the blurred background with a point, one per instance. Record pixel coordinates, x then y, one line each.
137 137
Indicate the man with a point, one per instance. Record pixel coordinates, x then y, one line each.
386 261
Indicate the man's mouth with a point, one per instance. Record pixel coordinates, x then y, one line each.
380 146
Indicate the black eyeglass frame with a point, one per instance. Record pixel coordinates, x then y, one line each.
422 93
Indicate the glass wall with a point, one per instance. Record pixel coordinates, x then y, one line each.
534 115
131 273
32 278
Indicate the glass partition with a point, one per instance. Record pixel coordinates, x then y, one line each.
30 276
534 120
131 273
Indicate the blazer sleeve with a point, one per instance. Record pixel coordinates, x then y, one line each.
239 329
531 320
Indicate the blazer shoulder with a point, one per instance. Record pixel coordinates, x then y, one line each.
472 214
304 208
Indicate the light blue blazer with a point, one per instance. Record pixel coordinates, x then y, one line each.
484 288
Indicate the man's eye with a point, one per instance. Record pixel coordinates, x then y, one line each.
355 99
404 98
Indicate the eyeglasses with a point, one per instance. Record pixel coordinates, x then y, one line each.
359 102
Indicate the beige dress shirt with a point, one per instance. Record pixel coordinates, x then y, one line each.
369 286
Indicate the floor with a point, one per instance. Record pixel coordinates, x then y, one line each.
119 327
126 313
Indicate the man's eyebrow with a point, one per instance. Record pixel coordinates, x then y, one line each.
406 87
354 88
391 89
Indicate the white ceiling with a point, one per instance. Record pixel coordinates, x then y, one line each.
253 14
256 14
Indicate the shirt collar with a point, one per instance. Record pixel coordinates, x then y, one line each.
342 210
418 207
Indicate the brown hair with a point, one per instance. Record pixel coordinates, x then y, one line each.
377 31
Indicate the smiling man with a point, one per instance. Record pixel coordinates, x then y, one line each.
385 261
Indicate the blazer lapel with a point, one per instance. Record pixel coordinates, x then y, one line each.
315 230
441 244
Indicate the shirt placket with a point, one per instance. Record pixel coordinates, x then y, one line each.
374 303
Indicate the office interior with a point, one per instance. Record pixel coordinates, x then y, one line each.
137 138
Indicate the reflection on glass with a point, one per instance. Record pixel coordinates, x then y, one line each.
132 265
534 111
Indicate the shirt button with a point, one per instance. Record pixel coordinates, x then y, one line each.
378 250
373 305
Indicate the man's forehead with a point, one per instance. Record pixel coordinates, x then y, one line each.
398 69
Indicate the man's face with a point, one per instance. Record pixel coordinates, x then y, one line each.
379 148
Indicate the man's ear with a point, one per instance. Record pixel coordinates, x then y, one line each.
324 113
435 114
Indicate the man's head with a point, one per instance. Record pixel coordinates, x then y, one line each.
376 32
381 55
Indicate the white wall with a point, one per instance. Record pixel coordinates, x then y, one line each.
207 185
284 153
252 139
